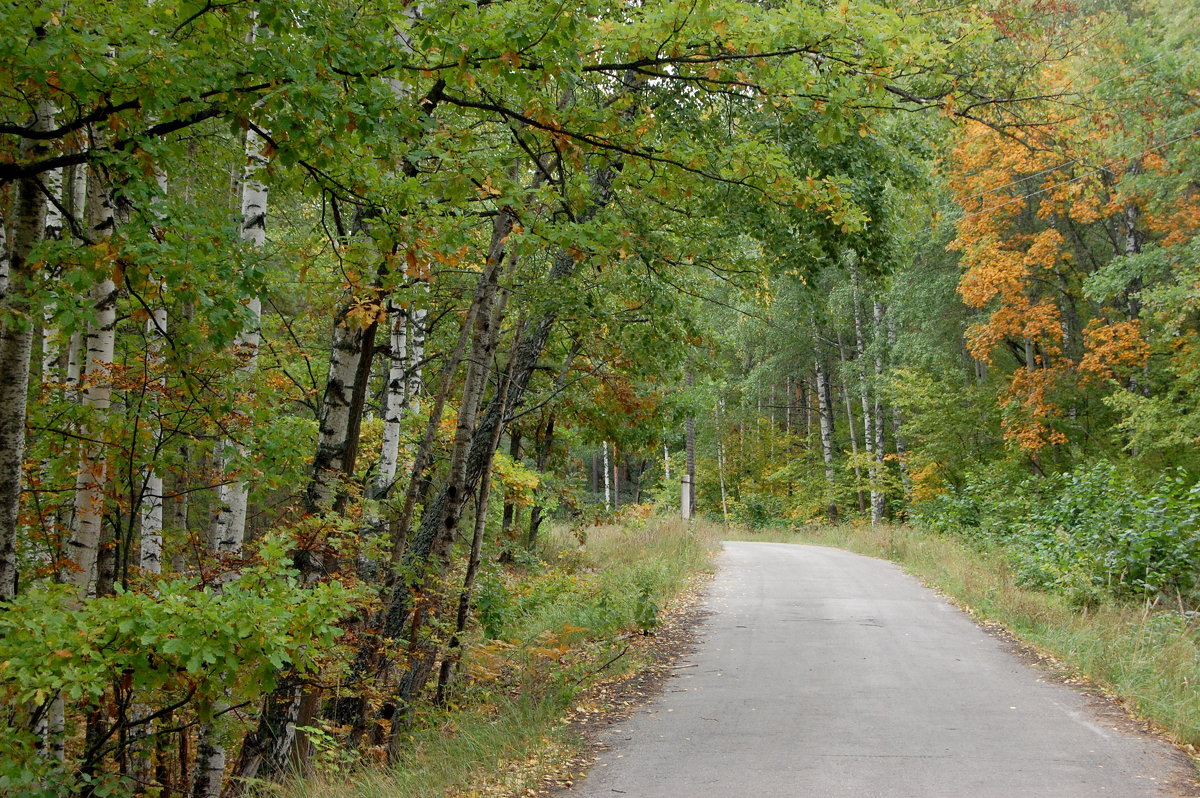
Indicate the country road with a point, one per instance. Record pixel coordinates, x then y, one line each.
821 673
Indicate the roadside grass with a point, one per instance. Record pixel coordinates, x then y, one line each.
551 628
1147 657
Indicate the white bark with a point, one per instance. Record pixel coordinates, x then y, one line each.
83 547
878 495
53 182
16 344
898 418
52 730
333 437
5 262
826 420
689 441
229 529
150 551
721 478
28 219
393 400
721 475
416 354
666 462
607 476
787 404
616 473
858 489
150 557
210 764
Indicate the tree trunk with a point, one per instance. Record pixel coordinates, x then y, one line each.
84 546
514 451
850 424
544 447
210 763
690 452
16 349
825 407
452 654
898 419
416 357
341 409
150 550
229 528
394 407
721 467
878 494
873 423
607 477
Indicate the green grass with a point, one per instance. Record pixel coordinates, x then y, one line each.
558 623
1147 657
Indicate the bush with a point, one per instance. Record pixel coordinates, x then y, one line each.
1089 533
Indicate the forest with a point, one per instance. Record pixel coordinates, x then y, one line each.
318 318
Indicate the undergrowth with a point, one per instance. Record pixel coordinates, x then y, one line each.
1146 654
548 627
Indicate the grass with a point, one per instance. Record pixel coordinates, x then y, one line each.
1146 657
556 624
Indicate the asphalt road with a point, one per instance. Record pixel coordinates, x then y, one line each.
821 673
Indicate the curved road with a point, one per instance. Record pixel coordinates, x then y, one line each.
822 673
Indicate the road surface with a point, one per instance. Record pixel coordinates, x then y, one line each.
822 673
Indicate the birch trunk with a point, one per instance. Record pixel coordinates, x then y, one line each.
787 404
84 546
465 470
721 479
228 531
210 763
544 447
16 349
607 477
349 368
473 559
229 528
279 747
690 453
151 522
416 358
898 419
878 494
150 553
393 401
825 411
872 423
53 183
850 426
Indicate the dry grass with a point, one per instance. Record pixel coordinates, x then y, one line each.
1146 657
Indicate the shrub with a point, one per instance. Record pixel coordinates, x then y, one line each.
1089 533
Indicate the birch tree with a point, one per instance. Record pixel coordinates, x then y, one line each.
229 527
